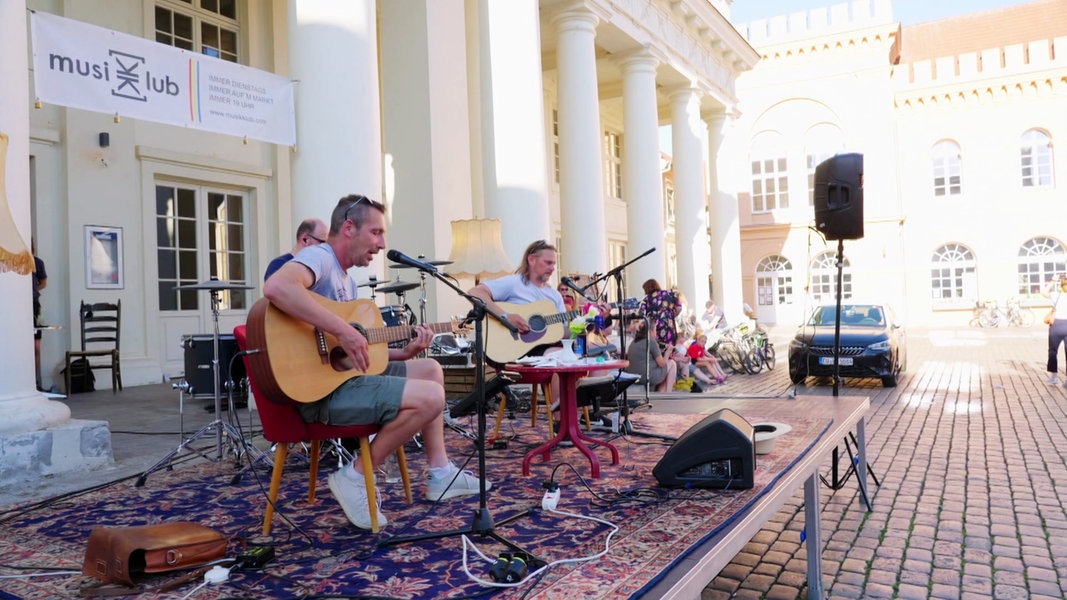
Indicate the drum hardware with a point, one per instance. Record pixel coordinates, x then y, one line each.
398 287
436 263
240 445
371 283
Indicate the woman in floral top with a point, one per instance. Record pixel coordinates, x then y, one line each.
661 307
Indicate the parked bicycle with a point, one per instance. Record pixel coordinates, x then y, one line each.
989 314
745 348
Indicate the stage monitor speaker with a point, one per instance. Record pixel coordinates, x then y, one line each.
839 197
718 452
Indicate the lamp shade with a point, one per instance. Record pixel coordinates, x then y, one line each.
477 250
14 255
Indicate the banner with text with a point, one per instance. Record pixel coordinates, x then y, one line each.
84 66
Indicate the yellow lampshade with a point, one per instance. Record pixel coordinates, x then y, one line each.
477 250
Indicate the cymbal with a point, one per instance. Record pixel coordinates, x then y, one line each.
436 263
373 283
213 285
398 287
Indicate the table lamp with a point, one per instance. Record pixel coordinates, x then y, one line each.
477 250
14 255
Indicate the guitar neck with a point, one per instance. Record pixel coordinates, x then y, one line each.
397 333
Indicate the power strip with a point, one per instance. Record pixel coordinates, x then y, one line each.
551 499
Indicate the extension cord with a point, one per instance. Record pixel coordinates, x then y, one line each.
551 499
217 574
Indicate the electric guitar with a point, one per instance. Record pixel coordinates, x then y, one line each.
305 364
546 327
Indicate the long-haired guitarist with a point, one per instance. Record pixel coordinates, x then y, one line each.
407 398
529 283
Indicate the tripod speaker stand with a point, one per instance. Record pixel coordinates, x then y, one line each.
221 430
482 521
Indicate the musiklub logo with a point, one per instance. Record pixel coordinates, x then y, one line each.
128 74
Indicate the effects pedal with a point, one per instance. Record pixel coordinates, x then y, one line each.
254 557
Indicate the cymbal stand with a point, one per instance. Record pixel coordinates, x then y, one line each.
422 297
217 426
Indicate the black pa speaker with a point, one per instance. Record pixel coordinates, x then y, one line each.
717 452
839 197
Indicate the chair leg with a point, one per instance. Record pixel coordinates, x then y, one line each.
533 404
280 453
314 452
368 480
500 415
405 477
588 419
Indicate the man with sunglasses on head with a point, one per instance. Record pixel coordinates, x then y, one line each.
529 283
407 398
311 232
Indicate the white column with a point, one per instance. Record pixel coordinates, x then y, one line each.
642 181
22 408
690 219
725 228
334 57
427 136
580 163
514 170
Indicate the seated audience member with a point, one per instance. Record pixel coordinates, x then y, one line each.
656 370
704 362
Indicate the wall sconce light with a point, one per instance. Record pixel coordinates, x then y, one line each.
104 139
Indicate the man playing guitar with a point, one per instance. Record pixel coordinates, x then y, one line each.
407 398
529 283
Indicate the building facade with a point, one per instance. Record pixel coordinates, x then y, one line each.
957 122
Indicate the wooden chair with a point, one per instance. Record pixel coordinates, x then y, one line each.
100 334
284 425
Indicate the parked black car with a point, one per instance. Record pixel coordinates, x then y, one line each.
872 344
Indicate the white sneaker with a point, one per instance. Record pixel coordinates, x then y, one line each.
456 483
352 496
1052 379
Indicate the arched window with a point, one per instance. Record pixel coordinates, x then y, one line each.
947 163
824 278
1036 156
1040 259
774 281
953 281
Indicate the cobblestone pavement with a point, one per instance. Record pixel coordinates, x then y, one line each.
970 452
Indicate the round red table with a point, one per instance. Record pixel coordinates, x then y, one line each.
569 425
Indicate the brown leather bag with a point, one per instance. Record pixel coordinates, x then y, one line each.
119 554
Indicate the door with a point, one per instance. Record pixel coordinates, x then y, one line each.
774 290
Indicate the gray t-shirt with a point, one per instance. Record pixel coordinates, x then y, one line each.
640 358
512 288
331 281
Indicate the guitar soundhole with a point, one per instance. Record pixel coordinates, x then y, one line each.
537 323
339 359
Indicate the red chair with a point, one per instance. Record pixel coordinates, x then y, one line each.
283 425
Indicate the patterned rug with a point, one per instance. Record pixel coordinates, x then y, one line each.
320 554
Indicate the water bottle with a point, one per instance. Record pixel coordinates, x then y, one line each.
390 469
579 346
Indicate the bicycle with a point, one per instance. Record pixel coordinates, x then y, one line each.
1017 316
987 314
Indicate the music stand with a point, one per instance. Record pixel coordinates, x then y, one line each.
213 286
482 521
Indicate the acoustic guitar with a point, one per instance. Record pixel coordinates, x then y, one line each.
546 327
305 364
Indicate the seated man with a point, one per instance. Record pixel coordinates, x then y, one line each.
406 399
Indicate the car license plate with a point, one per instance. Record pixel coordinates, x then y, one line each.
844 361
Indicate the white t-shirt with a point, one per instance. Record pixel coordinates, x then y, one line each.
512 288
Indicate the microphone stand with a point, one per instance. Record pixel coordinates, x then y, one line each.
482 521
625 426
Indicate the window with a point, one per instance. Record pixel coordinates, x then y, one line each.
555 146
1040 259
953 280
613 155
774 281
205 26
1036 157
824 278
821 142
770 184
188 220
947 169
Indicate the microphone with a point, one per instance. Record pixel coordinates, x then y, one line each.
567 281
399 257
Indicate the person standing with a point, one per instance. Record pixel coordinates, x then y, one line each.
1057 331
40 281
310 232
661 307
407 398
